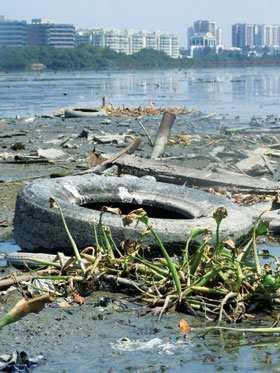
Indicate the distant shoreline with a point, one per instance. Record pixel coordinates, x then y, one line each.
103 59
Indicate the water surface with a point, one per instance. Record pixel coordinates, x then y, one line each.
234 91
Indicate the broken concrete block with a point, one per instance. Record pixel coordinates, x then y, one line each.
50 154
254 164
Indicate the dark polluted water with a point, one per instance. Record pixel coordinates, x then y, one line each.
109 336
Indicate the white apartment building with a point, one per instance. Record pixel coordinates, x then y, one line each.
138 42
130 42
151 40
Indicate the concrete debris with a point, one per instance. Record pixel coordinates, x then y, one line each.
254 165
29 120
50 154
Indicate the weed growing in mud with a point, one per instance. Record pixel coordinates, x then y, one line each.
220 279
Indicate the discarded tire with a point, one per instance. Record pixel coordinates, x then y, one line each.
84 113
173 211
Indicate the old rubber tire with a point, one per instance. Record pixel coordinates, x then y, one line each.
37 226
84 113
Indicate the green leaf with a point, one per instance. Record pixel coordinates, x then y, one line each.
262 228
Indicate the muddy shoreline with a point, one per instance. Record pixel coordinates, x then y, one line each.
87 338
198 141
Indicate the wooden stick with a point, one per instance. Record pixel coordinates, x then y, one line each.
14 278
167 122
145 131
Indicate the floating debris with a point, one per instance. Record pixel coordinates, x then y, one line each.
143 111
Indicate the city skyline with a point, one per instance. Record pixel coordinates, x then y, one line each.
202 34
172 17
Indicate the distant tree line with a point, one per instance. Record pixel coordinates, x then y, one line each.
84 57
90 58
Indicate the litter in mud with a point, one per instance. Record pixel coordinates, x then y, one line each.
19 362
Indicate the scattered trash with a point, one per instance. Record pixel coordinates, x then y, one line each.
19 362
153 345
144 111
29 120
111 138
4 223
18 146
184 327
106 121
182 139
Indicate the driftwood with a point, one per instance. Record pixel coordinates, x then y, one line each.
128 150
203 179
15 279
163 133
107 163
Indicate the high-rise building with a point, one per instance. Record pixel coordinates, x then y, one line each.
204 34
258 35
61 36
13 34
203 40
243 35
190 33
83 37
138 41
124 42
152 40
250 39
219 37
204 27
37 32
275 42
98 38
253 35
174 46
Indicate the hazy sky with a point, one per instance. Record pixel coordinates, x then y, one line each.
164 15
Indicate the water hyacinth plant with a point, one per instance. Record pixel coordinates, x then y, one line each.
221 280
